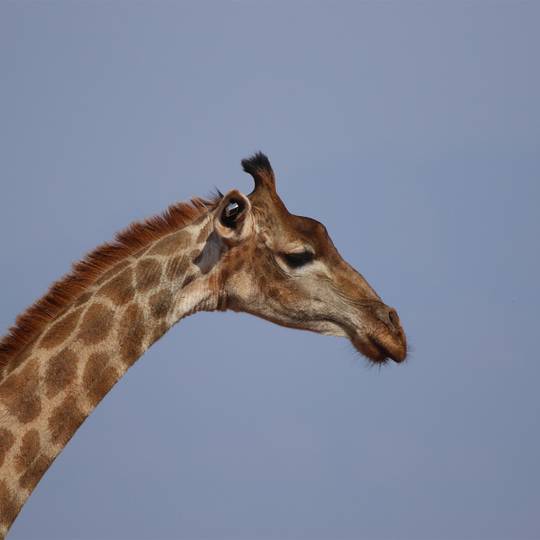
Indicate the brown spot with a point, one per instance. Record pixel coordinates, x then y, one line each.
61 371
96 324
61 330
119 289
34 473
65 420
171 243
8 505
99 377
19 393
148 274
28 451
194 255
160 303
117 268
131 334
6 442
177 267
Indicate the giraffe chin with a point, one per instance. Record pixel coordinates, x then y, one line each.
381 349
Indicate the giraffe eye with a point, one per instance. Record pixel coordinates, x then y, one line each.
296 260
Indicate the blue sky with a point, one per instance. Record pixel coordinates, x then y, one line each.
412 131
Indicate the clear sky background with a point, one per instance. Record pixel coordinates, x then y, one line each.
412 130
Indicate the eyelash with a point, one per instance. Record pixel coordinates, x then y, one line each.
296 260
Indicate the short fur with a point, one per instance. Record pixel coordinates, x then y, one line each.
31 322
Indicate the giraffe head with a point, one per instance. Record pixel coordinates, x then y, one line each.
285 268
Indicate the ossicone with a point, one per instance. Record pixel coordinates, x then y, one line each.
258 166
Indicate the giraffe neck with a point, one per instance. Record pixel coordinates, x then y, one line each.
58 380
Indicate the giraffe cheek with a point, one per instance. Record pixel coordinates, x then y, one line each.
277 294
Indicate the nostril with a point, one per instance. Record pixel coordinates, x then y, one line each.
393 317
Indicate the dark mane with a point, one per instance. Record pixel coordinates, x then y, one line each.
84 273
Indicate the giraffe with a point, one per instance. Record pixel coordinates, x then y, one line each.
235 252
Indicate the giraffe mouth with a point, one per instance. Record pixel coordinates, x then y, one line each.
380 349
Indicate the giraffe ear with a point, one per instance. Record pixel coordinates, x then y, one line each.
232 219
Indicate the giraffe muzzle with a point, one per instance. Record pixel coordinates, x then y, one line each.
385 339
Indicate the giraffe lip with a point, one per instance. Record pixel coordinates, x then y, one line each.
395 347
382 350
379 350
